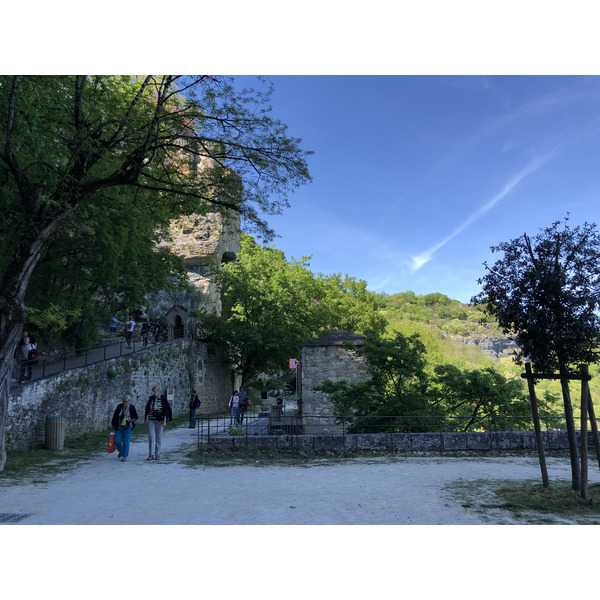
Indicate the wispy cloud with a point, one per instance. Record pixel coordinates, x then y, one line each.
423 258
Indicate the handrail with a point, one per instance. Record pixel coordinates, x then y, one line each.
82 357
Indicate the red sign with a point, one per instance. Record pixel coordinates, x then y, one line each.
293 363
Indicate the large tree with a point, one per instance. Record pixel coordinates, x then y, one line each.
105 265
172 144
270 306
545 292
396 387
472 397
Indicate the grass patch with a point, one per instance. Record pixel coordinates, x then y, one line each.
559 499
528 502
40 464
211 456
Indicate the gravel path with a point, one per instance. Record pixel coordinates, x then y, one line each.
377 491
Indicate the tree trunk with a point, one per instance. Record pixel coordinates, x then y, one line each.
11 334
594 425
583 435
571 432
536 423
12 317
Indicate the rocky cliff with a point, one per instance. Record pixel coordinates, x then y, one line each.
497 347
204 242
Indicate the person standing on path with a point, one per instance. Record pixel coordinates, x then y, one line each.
244 404
157 414
26 364
129 327
234 405
123 423
157 333
145 331
194 404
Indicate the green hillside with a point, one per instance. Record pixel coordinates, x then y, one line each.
453 333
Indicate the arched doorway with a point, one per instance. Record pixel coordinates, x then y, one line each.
178 328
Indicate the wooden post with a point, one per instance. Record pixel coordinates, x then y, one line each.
572 435
594 425
536 423
583 434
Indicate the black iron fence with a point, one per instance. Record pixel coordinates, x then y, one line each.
82 357
411 433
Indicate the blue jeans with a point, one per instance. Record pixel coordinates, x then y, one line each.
234 415
122 440
192 417
26 364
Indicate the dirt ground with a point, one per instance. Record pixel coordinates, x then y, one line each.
416 490
263 502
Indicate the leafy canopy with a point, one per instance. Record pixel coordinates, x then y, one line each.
546 291
397 382
271 305
93 169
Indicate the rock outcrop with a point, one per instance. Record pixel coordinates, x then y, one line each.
204 242
497 347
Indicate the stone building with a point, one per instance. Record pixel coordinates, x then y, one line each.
325 359
180 324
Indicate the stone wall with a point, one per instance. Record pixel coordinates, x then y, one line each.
418 443
86 397
322 360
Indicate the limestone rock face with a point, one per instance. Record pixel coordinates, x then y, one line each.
497 347
204 242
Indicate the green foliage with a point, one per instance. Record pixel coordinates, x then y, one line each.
397 383
271 305
478 394
52 319
546 291
93 169
350 305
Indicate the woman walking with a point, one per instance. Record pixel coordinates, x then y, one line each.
123 422
157 414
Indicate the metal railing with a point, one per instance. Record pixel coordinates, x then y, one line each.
291 424
82 357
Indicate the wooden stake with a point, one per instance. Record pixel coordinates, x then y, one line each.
583 434
536 423
571 433
594 425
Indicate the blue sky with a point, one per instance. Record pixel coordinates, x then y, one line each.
416 172
415 177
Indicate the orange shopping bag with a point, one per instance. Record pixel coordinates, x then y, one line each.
111 442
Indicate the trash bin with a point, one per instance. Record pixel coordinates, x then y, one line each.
55 433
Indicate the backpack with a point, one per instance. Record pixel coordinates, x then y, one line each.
33 356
